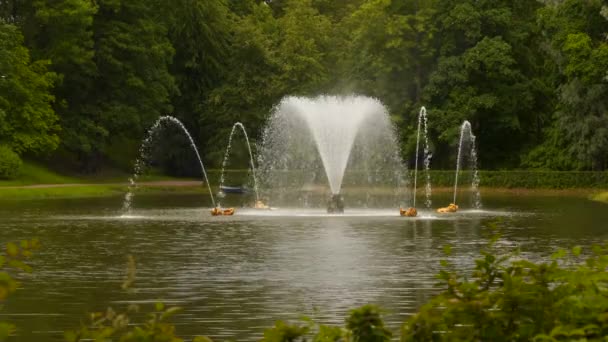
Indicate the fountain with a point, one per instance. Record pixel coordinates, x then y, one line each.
466 129
422 119
258 203
336 136
144 154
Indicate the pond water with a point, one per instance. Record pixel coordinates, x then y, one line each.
234 276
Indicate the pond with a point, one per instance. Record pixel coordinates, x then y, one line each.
235 276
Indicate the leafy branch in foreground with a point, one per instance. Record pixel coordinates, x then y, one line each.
13 260
364 324
118 326
511 299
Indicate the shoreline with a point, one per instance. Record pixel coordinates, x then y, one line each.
96 190
87 190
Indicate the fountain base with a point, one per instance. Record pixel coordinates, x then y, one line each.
335 204
222 212
260 205
409 212
452 208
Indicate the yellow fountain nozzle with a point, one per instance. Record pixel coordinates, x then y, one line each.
451 208
409 212
260 205
217 211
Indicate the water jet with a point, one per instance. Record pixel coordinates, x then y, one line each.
312 147
422 119
258 203
466 132
144 148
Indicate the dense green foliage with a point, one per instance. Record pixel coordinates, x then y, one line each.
531 76
27 120
512 299
10 163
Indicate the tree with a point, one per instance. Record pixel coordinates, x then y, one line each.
200 33
28 123
133 84
62 31
269 58
480 77
578 137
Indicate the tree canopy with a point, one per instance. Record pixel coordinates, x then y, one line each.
88 78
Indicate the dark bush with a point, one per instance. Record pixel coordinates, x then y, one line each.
10 163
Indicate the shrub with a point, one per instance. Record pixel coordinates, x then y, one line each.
364 324
509 299
10 163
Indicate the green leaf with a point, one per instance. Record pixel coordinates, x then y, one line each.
170 312
18 264
576 251
159 306
6 330
12 250
70 336
447 250
560 254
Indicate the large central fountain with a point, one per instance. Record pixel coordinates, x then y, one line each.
317 145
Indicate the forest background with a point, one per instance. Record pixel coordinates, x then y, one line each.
82 80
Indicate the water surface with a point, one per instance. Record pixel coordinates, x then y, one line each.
234 276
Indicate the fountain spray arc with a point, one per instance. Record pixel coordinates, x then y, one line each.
423 120
466 129
144 152
251 163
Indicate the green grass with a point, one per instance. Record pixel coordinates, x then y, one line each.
32 173
601 197
89 191
83 191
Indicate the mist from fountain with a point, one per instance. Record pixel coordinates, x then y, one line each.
423 120
466 130
144 150
332 138
251 162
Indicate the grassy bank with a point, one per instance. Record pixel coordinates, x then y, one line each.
91 190
38 182
37 174
601 197
32 173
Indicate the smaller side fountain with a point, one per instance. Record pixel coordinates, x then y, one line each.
412 212
258 203
466 131
144 148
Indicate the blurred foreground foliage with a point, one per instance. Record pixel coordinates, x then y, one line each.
13 262
508 298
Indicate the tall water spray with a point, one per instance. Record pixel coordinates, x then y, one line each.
332 138
423 120
227 155
144 154
466 129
